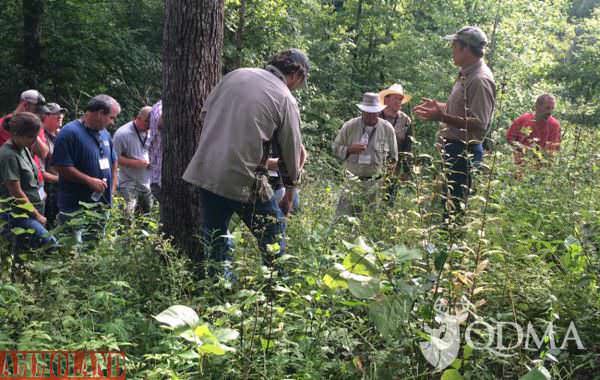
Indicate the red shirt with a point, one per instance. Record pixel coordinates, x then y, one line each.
543 133
4 135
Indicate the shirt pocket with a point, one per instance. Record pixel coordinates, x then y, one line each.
382 150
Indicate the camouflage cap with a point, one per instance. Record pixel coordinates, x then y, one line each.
470 35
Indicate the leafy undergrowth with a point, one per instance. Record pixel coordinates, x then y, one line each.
360 295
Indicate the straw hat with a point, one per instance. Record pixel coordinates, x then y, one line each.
396 88
370 103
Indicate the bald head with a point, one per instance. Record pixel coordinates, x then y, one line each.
544 105
142 120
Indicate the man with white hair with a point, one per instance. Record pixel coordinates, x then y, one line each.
368 148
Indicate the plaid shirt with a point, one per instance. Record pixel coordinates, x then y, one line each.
155 145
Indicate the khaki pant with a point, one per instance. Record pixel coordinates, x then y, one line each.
137 199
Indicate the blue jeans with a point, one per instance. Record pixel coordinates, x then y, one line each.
279 193
477 151
39 238
458 176
264 219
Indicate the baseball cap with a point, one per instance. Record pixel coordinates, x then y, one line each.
470 35
53 109
298 56
33 97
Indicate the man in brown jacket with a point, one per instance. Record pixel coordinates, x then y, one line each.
247 112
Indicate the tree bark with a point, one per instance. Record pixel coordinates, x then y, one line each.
192 49
32 37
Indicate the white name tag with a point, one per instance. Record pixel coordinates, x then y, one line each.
364 159
42 193
104 164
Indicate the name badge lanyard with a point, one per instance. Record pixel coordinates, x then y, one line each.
142 141
370 134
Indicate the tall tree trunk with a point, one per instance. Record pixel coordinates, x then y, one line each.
32 36
192 48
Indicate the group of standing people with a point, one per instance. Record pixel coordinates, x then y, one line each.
249 161
54 169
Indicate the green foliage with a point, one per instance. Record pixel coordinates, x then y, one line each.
359 292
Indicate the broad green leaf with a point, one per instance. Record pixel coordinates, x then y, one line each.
26 206
360 264
19 215
188 334
536 374
362 289
402 253
189 355
178 316
360 247
389 315
226 334
211 348
203 332
451 374
20 231
333 281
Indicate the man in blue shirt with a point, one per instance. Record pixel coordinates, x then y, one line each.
85 159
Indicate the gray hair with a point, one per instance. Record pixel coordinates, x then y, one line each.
102 103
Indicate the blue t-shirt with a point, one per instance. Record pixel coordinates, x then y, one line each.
82 148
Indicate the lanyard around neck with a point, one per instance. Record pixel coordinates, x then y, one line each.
142 141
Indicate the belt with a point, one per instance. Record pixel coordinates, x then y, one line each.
447 141
375 177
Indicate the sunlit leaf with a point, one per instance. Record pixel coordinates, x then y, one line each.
178 316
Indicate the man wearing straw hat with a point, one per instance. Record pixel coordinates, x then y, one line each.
466 116
394 97
367 146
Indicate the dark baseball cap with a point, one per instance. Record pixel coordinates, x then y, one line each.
470 35
53 109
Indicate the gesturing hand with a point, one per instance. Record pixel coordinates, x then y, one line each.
429 109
